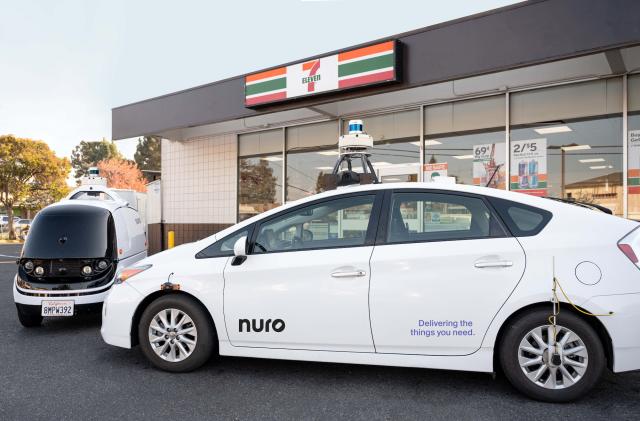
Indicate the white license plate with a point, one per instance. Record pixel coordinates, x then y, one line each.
57 308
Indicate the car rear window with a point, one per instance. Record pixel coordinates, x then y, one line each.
522 220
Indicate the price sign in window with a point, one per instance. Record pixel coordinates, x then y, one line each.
488 165
529 166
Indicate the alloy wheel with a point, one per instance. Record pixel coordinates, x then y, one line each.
173 335
553 358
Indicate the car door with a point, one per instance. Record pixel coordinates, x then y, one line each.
305 282
443 267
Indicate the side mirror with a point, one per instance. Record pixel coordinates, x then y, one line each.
239 251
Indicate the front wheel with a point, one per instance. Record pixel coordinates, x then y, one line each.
549 370
175 334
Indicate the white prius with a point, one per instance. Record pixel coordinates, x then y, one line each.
418 275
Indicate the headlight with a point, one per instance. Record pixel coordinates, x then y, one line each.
39 271
102 264
86 270
28 266
129 272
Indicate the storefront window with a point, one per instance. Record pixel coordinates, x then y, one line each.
566 142
466 140
633 139
312 151
260 172
396 152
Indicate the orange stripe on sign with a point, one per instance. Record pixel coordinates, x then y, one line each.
308 65
634 173
361 52
263 75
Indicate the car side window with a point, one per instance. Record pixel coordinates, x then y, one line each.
425 216
340 222
222 247
522 220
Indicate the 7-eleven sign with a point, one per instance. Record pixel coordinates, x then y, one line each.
312 67
313 76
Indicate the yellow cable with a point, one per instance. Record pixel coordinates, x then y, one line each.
555 280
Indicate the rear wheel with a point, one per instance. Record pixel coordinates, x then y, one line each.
549 370
175 334
29 316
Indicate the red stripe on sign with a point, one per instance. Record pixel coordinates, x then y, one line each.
634 190
363 80
535 192
265 98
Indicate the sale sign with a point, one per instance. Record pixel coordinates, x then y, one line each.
434 170
529 166
488 165
634 161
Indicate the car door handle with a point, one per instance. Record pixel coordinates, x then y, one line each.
348 274
494 264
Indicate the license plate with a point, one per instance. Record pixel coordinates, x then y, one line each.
57 308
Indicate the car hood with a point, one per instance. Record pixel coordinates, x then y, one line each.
171 257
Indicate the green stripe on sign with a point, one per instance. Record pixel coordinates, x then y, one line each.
268 86
366 65
634 181
541 185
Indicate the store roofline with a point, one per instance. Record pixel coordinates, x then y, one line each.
593 26
387 38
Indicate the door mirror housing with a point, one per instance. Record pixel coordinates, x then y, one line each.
239 251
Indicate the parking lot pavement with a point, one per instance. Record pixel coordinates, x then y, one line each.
63 370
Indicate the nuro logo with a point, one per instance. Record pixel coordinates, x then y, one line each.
312 67
261 325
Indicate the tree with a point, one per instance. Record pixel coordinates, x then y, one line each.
88 154
39 198
147 154
258 182
322 183
122 174
28 168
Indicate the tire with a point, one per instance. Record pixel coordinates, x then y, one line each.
29 316
558 388
200 343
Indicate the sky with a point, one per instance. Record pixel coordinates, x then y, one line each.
65 64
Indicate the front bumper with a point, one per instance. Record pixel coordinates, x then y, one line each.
117 315
622 326
80 297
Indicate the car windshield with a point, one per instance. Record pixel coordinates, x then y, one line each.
73 231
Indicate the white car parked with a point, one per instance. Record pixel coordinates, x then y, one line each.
418 275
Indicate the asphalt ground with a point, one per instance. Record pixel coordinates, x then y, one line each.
63 371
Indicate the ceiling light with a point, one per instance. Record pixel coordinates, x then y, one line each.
586 161
463 156
575 148
598 167
554 129
324 168
427 143
328 153
272 158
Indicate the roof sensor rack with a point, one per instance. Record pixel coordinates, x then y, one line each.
354 151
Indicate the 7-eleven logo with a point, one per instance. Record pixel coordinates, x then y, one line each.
312 67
